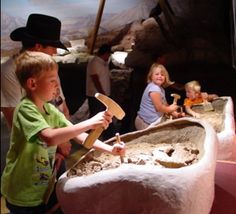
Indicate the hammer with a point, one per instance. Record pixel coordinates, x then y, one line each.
176 97
113 108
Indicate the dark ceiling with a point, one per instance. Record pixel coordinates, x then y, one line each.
199 29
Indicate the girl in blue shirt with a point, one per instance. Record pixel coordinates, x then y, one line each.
153 103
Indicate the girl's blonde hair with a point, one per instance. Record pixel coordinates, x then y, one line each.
164 72
32 64
193 85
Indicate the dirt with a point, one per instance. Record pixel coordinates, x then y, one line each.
214 117
161 155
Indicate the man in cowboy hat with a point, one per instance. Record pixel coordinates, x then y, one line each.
41 33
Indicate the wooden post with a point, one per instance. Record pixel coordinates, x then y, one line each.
97 24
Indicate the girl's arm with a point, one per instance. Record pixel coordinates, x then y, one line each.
159 106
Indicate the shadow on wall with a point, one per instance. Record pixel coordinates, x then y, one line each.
73 81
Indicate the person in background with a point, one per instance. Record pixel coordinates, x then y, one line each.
38 128
98 80
153 103
41 33
195 96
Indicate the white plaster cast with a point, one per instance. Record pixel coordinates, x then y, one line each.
227 138
146 189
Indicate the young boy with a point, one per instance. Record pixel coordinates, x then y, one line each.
38 127
195 96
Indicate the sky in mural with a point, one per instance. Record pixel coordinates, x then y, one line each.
23 8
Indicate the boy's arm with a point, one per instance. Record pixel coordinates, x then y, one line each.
191 112
56 136
59 135
212 97
208 97
116 149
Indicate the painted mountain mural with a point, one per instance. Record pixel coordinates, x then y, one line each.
75 25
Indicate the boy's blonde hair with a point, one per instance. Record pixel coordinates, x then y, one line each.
193 85
33 64
164 72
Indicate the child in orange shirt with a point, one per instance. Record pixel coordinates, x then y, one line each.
195 96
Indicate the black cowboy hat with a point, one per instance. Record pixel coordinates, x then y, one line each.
42 29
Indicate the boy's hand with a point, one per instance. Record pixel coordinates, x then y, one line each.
58 160
101 119
119 149
64 149
196 115
204 95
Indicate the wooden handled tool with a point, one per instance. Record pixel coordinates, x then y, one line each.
176 97
118 141
113 108
51 186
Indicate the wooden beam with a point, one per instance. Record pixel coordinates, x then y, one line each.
97 24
